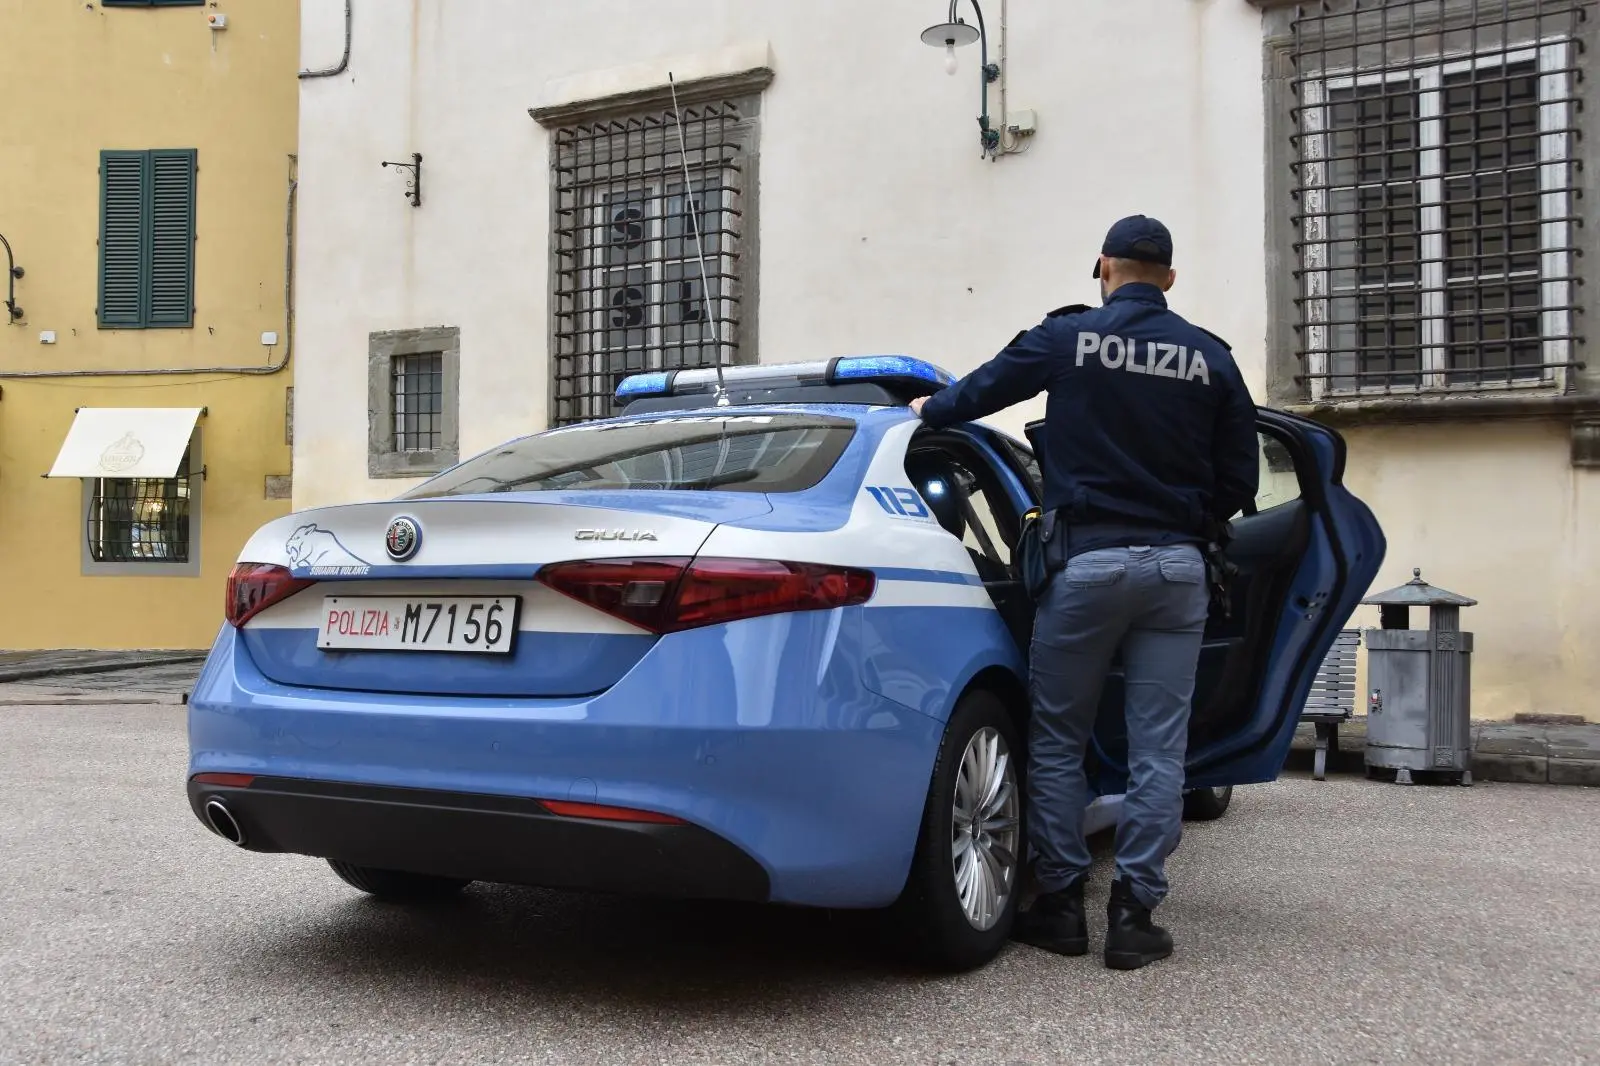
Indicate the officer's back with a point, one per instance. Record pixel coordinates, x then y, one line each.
1149 429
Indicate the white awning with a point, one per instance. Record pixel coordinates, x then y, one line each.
126 442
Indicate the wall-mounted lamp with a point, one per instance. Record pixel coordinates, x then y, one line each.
414 182
13 272
954 33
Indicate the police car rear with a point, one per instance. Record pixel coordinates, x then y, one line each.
527 669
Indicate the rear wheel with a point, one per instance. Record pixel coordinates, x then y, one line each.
397 885
961 896
1207 804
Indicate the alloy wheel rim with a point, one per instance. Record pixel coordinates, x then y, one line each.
986 828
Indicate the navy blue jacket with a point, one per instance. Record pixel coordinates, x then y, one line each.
1149 428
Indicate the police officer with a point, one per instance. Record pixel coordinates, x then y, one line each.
1149 446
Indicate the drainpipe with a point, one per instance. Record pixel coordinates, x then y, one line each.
344 61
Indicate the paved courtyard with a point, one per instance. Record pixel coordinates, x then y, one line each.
1341 921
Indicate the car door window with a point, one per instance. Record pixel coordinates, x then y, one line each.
984 533
1279 482
962 495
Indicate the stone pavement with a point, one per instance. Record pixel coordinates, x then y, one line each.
33 665
82 678
1527 753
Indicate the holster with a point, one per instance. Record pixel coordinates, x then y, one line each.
1039 550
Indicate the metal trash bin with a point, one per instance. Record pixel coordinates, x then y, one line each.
1419 707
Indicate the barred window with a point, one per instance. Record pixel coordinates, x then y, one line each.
1436 189
141 520
632 210
413 401
418 401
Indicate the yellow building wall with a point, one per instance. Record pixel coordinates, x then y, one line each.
1497 512
79 78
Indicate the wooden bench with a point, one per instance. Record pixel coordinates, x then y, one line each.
1332 700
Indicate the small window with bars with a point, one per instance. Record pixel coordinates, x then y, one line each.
418 391
648 233
141 520
413 399
1436 190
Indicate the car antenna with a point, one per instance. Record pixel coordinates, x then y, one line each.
699 247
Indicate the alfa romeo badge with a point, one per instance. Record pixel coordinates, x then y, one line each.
403 539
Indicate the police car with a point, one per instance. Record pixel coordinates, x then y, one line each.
759 639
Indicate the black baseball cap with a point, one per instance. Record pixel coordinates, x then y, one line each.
1137 237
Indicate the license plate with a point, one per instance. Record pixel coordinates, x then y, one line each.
483 624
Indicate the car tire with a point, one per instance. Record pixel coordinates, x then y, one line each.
931 917
1207 804
397 885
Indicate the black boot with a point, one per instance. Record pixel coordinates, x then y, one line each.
1132 940
1055 922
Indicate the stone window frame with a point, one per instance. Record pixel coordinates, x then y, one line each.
743 91
383 460
1578 396
91 567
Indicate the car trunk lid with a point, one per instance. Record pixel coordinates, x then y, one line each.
441 596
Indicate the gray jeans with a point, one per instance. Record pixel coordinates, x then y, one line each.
1152 603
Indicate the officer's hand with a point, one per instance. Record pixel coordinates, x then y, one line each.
916 405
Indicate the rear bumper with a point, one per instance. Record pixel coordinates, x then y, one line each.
482 838
785 759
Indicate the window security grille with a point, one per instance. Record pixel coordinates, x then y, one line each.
141 520
418 382
629 295
1437 193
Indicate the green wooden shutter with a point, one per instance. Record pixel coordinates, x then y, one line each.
122 238
171 272
147 238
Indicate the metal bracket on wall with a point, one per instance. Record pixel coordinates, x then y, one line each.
13 272
1586 443
413 183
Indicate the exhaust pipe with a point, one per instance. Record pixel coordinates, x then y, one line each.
222 822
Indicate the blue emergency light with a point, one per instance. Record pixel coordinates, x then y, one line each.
901 374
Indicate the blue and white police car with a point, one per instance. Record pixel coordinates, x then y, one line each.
762 640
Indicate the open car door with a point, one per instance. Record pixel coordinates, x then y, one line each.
1307 550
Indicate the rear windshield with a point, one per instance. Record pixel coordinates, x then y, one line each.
731 453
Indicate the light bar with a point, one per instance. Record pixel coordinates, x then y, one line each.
636 385
883 368
864 369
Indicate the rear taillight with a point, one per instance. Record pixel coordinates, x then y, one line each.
724 590
667 595
636 590
253 587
